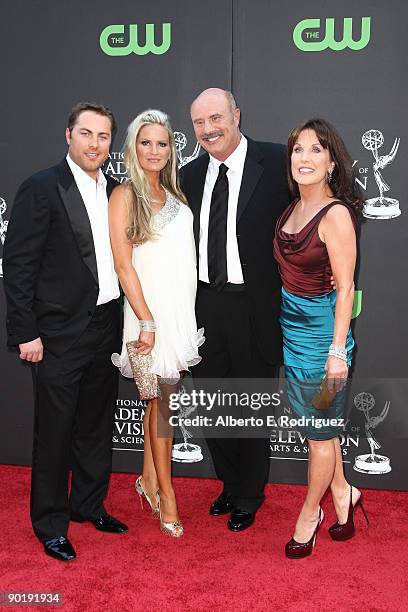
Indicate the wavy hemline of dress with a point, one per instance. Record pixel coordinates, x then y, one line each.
185 358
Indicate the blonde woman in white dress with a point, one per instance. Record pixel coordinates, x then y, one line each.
152 239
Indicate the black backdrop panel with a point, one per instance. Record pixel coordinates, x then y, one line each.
57 62
56 59
279 85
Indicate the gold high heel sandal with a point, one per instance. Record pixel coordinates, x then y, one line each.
173 529
142 494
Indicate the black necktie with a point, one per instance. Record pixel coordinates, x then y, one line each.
217 231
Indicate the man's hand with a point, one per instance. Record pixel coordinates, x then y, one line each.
32 351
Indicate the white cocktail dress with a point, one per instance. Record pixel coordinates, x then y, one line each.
166 267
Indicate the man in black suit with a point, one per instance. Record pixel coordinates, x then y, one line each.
237 192
63 314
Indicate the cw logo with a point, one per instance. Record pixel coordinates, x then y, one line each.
329 42
112 40
357 304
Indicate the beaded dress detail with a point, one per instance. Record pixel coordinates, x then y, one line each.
167 213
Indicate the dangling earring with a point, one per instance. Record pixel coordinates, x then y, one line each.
329 176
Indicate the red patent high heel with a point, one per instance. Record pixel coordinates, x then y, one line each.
345 531
299 550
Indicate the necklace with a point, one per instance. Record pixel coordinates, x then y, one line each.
162 200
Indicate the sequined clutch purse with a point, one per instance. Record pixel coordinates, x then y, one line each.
146 382
324 396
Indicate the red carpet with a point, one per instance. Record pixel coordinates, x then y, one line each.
210 568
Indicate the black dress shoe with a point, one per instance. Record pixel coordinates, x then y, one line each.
240 520
109 524
60 548
105 522
222 505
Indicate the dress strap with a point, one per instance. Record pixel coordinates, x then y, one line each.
299 241
318 216
285 216
315 220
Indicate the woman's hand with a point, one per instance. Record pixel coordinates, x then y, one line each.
336 372
145 342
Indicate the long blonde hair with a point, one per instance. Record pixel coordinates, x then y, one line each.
140 212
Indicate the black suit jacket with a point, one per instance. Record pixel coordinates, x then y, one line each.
262 198
50 272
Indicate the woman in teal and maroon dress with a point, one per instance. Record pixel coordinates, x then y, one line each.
315 240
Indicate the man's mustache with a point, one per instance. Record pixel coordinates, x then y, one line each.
212 135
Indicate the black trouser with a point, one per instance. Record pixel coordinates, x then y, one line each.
231 351
74 406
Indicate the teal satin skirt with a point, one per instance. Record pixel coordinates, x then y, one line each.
307 325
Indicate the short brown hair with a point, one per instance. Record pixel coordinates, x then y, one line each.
95 108
343 183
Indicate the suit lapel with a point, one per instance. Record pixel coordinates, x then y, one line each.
111 183
78 217
253 171
196 193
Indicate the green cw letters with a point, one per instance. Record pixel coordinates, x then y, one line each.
112 38
329 42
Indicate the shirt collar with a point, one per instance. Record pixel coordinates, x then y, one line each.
82 178
236 160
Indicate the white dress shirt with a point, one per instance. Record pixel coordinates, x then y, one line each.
235 164
96 203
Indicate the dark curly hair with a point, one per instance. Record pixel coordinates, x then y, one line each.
342 184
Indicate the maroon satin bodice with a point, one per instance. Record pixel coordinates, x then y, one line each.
302 258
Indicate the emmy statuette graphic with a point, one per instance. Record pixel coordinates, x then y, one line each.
184 452
181 143
3 229
380 207
371 463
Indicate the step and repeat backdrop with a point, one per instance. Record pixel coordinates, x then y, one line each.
284 62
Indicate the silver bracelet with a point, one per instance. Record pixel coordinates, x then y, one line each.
338 351
148 326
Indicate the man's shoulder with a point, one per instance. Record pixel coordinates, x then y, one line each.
195 165
42 177
112 181
275 149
